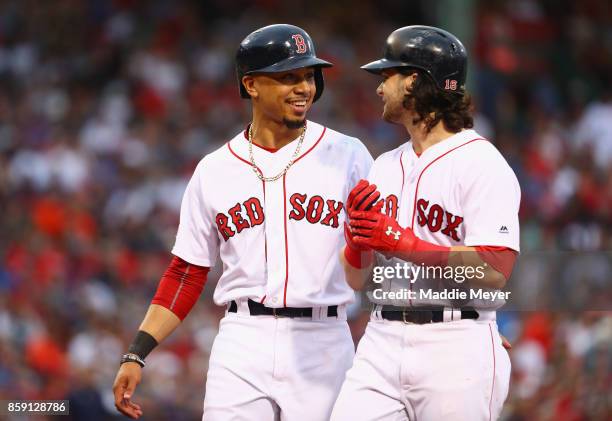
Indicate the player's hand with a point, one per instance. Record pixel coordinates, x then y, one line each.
380 232
128 377
350 241
362 197
505 342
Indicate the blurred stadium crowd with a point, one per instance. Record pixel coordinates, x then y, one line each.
106 107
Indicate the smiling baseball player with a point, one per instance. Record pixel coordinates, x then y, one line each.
450 202
269 203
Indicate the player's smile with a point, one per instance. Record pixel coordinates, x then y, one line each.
299 106
286 95
302 89
387 90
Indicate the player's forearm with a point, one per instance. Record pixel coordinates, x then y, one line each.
462 256
159 322
485 275
355 277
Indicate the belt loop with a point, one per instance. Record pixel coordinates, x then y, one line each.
341 312
456 314
323 313
243 306
377 312
448 314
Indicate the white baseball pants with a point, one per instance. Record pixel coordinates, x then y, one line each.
264 368
440 371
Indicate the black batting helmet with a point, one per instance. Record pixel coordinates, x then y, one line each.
278 48
437 52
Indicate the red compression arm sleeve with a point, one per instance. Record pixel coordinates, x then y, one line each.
500 258
427 253
180 286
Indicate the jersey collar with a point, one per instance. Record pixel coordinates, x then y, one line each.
449 143
240 147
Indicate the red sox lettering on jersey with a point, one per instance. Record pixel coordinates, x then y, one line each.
434 216
275 239
250 213
436 219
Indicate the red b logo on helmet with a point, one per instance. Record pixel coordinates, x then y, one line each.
299 43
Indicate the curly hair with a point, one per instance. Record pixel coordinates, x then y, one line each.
425 98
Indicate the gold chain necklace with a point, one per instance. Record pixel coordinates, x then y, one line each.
289 164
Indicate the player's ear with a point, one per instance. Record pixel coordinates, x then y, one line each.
249 85
408 81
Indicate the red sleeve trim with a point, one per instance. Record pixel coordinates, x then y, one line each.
416 191
180 286
500 258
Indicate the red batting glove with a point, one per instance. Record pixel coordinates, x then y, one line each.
349 235
382 233
356 255
362 197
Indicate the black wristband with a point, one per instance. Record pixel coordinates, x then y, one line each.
132 358
142 344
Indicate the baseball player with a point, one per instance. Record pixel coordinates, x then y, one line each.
431 350
269 203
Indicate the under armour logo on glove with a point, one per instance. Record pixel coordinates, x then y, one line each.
380 232
377 231
391 232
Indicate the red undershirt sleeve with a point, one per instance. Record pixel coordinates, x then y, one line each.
500 258
180 286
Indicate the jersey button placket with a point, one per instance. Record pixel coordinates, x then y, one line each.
275 238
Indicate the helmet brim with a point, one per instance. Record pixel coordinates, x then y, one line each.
292 63
378 66
318 64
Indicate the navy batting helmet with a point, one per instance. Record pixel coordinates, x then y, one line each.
278 48
437 52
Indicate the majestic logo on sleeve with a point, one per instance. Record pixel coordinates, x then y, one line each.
436 219
250 213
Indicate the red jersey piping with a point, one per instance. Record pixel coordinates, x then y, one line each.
416 191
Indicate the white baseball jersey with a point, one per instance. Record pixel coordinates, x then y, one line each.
278 241
460 191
